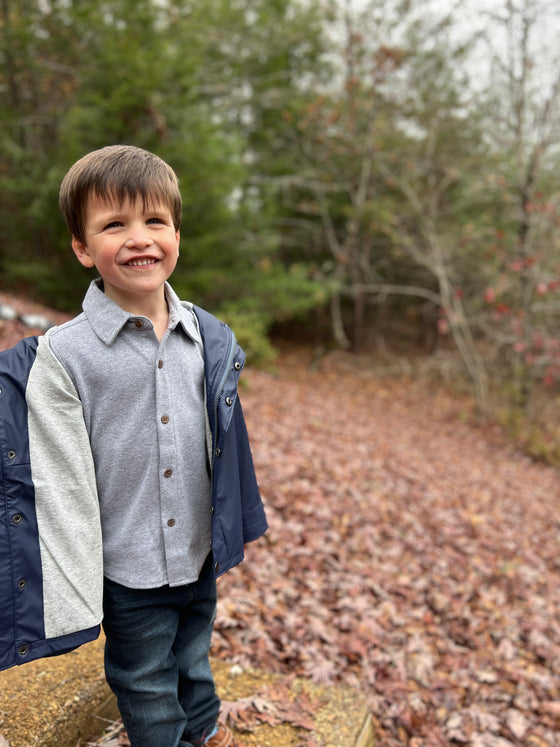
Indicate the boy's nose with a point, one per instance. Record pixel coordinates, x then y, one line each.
138 241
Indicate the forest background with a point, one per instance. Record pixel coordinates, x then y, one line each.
380 176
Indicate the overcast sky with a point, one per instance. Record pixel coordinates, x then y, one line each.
474 16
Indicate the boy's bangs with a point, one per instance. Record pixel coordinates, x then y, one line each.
151 198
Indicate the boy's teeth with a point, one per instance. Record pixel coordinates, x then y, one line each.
136 262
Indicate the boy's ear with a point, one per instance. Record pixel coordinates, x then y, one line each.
81 252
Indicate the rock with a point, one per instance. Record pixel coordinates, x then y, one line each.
37 321
7 312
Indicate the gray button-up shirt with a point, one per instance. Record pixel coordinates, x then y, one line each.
144 410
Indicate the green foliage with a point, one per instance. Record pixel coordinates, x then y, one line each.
252 332
191 83
330 155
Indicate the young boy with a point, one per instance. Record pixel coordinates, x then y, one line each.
161 445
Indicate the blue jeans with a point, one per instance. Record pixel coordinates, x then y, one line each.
156 660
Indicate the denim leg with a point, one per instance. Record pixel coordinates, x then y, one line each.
156 660
196 690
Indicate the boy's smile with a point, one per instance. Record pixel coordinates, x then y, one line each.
134 248
141 262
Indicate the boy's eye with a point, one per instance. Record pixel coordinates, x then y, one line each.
112 224
154 220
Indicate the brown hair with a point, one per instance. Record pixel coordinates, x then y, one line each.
118 172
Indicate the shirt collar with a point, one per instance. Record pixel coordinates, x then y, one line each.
107 318
181 312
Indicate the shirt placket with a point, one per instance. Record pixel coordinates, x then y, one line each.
167 457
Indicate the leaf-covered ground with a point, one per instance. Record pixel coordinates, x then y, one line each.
411 554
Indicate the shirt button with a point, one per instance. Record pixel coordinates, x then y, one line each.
23 650
237 365
165 419
17 518
168 473
217 452
22 583
138 323
229 401
160 363
170 522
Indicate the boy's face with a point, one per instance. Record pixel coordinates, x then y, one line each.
134 250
